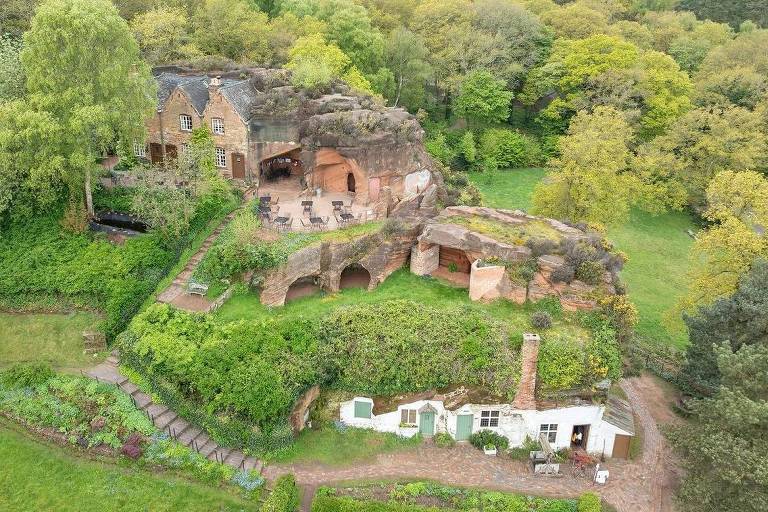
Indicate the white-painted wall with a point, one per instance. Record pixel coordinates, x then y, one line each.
514 424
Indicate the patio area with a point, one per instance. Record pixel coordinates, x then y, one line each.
284 206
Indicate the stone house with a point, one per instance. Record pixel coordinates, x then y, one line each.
222 104
605 428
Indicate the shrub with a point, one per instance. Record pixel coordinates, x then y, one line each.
444 440
509 148
551 305
541 246
484 438
523 452
284 497
603 355
561 364
26 375
563 274
591 272
589 502
541 320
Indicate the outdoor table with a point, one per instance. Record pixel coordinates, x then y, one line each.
337 205
307 206
281 222
346 217
265 199
317 222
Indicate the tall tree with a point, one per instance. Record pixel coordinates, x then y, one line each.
162 34
407 59
11 74
483 99
83 69
233 29
589 182
16 15
724 449
733 12
739 319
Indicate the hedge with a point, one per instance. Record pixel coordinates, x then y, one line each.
589 502
284 496
337 504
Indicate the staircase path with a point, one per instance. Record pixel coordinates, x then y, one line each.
167 420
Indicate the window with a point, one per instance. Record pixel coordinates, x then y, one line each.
489 418
217 125
221 157
363 409
185 122
140 150
408 416
550 429
184 147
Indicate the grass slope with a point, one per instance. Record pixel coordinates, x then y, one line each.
55 338
400 285
657 247
34 476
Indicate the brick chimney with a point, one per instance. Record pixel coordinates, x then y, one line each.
526 389
214 83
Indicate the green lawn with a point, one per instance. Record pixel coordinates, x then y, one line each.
35 476
509 189
657 247
329 446
400 285
56 338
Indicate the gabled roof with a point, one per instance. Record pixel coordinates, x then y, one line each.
197 91
239 93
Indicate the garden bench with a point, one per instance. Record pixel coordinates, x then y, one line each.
195 288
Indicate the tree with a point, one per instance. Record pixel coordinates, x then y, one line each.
706 141
161 34
84 71
739 86
483 99
285 29
733 12
232 29
15 16
732 423
589 182
406 57
576 21
11 74
738 319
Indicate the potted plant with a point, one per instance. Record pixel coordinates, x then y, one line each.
489 449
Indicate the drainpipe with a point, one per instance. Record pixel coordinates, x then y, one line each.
162 134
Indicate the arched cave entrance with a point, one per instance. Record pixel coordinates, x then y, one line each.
355 276
282 166
350 182
302 287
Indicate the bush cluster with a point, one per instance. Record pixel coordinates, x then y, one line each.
284 497
483 438
43 266
589 502
88 412
541 320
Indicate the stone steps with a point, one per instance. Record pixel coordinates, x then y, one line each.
167 420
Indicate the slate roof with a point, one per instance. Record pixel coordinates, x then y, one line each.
618 413
240 93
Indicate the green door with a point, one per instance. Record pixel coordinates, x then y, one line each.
464 427
427 423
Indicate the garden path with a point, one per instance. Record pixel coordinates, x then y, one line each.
167 420
643 485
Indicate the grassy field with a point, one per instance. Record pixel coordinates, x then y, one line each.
400 285
657 247
56 338
328 446
35 476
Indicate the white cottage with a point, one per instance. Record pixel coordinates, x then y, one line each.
605 429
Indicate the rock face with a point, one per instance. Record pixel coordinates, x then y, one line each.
495 265
379 254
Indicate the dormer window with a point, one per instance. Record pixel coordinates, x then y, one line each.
217 125
185 122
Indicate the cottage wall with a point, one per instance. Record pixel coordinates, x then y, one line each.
514 424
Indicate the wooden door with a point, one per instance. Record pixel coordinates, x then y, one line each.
171 152
464 426
350 182
427 423
238 166
621 446
156 153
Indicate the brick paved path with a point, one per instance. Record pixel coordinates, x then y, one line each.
632 487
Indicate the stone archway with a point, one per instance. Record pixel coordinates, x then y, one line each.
355 276
302 287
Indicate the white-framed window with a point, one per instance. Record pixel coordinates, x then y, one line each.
221 157
217 125
550 429
184 147
185 122
489 418
408 416
140 149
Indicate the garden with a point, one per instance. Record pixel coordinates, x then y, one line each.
432 497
